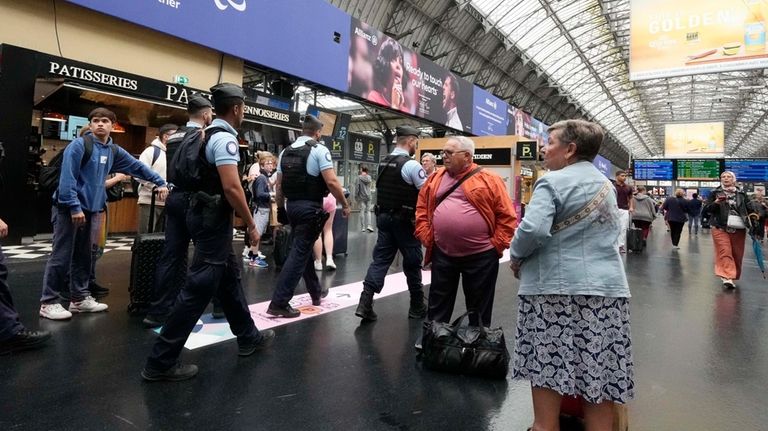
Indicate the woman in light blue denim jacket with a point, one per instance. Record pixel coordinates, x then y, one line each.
573 331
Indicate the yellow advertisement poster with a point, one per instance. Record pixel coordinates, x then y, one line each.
699 140
687 37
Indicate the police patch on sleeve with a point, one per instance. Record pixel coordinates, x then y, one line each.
422 174
328 156
232 148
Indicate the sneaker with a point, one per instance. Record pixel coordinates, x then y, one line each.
152 321
728 283
260 255
258 263
248 257
97 290
330 264
370 229
246 252
54 312
247 349
287 311
176 373
87 305
318 265
24 340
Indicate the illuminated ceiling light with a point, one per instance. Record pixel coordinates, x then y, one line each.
54 116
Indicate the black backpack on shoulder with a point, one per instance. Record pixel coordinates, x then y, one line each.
186 168
49 175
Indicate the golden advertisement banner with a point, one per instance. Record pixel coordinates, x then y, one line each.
687 37
694 140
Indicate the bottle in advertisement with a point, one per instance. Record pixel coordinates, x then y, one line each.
754 26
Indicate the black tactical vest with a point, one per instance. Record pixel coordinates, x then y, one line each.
393 193
297 184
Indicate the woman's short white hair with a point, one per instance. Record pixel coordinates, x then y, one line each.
465 144
429 156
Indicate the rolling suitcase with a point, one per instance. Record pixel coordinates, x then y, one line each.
635 240
340 233
145 253
283 238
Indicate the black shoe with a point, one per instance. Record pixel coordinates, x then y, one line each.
365 307
152 322
287 311
176 373
97 290
317 301
24 340
418 309
218 312
267 337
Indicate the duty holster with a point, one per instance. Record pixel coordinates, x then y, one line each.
209 206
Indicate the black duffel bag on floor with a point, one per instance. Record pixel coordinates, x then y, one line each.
463 349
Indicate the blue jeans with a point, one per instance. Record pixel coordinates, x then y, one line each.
395 233
9 318
215 271
171 270
694 222
70 257
304 217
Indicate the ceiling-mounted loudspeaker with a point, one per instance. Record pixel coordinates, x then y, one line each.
438 133
282 88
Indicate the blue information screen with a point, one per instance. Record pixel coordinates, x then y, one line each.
654 170
748 169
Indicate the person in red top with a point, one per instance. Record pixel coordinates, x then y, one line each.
626 203
465 231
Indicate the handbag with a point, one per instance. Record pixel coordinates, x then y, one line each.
463 349
115 193
736 222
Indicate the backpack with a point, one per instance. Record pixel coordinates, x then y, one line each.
186 169
135 184
49 175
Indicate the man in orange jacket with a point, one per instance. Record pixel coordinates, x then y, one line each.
465 219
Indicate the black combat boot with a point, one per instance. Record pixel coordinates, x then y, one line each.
365 307
417 309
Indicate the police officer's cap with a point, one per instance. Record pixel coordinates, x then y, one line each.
198 102
407 131
226 91
311 122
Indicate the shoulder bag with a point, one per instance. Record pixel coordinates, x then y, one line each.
584 211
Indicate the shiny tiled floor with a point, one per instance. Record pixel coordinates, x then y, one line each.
701 360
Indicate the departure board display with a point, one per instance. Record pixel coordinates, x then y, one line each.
698 170
748 169
654 170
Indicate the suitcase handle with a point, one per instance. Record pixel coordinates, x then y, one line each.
151 227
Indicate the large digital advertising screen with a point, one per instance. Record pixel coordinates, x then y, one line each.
383 72
489 114
686 37
698 170
694 140
663 170
749 170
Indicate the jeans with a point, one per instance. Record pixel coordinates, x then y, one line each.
365 214
478 273
171 270
304 217
694 222
9 318
215 271
395 233
71 256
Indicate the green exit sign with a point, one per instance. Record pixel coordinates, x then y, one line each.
181 79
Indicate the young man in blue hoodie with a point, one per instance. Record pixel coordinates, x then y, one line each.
77 200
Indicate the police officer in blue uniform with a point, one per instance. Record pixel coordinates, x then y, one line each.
304 176
172 267
215 269
397 188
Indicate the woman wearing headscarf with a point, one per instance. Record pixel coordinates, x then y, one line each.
731 214
573 329
676 213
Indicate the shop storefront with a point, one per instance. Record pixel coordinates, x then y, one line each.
45 101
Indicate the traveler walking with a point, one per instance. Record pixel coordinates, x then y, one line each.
675 212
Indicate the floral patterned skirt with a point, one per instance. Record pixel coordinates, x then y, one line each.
575 345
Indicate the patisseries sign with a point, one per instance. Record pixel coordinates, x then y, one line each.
686 37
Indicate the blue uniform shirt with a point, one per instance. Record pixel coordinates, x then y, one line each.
223 148
319 157
412 173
